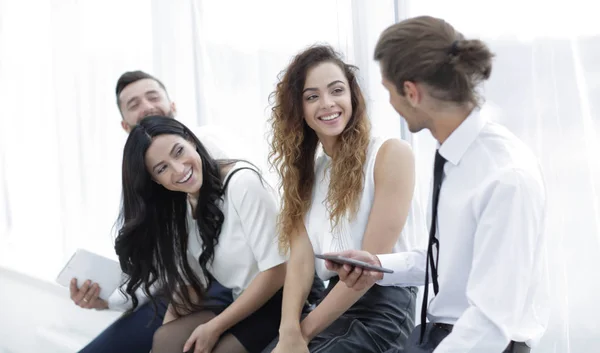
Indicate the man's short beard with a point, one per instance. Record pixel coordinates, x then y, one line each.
170 114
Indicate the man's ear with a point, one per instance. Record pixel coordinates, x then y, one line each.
125 126
412 93
174 109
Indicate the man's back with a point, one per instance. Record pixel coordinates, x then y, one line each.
492 201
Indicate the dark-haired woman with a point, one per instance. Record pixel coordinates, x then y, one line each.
187 219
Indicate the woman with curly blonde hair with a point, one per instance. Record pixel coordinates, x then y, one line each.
342 189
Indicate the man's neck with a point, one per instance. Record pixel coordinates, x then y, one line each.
447 120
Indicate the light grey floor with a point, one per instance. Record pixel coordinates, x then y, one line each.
58 326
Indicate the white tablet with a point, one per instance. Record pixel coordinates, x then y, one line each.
85 265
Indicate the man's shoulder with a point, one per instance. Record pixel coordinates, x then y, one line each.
213 140
506 151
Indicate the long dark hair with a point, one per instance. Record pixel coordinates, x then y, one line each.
152 241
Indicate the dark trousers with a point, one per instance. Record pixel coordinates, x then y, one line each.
435 334
133 333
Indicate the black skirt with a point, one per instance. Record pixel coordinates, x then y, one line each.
381 319
258 329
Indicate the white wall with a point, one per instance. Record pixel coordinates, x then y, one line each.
38 316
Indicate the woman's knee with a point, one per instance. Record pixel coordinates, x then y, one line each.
271 346
172 336
163 336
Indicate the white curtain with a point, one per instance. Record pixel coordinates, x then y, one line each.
545 88
60 137
61 143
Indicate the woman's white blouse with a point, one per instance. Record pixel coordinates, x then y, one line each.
349 233
248 240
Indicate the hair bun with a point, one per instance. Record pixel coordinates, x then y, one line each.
472 57
453 51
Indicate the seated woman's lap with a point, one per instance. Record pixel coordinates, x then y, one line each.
219 295
249 335
133 333
380 320
171 337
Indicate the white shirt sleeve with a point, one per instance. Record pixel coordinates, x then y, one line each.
122 302
255 204
408 267
214 144
506 253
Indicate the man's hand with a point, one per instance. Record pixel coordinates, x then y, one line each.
86 297
355 277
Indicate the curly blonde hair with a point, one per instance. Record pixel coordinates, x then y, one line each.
294 145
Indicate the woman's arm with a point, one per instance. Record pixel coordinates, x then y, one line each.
394 186
255 204
260 290
298 282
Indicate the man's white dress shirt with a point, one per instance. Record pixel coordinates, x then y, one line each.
492 270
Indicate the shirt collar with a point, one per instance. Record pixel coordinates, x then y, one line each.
455 146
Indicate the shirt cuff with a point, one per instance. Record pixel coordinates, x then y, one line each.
406 273
121 302
118 302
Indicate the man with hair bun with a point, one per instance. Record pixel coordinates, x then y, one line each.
485 255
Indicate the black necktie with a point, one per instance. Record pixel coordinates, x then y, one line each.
438 173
